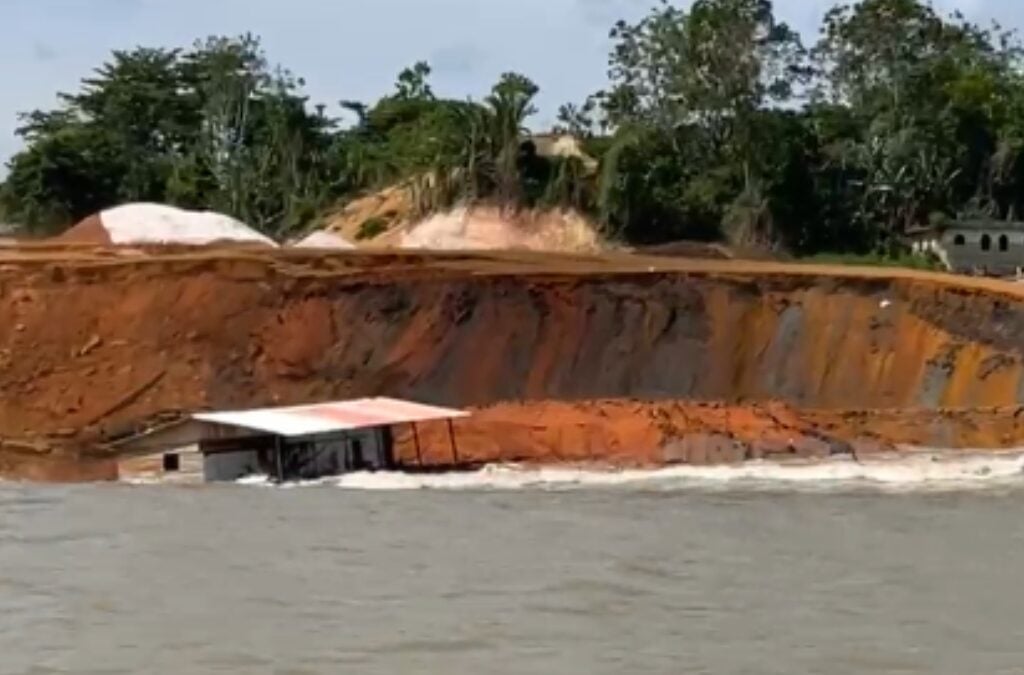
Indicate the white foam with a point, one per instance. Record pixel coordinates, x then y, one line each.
160 224
915 471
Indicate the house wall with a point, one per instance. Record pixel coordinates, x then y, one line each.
150 466
304 458
962 250
226 467
175 436
312 458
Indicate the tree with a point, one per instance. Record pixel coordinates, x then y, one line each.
260 154
697 79
117 139
714 124
413 82
214 127
63 176
930 95
509 105
712 66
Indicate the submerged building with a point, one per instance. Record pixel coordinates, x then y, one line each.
287 444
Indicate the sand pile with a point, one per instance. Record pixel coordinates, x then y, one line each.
324 240
490 228
386 219
160 224
371 219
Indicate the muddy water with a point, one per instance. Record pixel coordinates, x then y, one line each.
643 577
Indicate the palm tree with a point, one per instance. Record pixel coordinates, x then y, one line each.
509 104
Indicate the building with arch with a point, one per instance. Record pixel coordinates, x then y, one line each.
992 247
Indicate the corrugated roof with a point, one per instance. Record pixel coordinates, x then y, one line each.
322 418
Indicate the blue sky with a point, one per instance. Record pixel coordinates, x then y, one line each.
352 49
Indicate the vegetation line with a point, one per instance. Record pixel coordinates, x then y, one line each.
717 123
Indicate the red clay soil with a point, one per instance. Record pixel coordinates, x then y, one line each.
55 466
638 433
94 340
87 231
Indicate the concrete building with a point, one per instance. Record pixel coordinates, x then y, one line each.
989 247
285 444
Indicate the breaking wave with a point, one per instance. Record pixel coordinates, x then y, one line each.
917 471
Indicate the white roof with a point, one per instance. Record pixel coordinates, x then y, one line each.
322 418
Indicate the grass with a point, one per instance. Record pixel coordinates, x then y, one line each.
874 260
371 228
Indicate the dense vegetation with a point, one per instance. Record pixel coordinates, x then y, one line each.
717 122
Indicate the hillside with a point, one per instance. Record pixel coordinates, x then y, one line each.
142 332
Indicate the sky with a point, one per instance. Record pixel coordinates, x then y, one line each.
352 49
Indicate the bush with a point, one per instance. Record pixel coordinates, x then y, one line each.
372 227
875 260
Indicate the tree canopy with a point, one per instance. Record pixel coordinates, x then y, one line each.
717 122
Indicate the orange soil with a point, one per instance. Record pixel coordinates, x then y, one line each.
95 340
645 433
87 231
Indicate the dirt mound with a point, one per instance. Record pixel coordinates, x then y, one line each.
387 219
160 224
687 249
324 240
708 250
370 219
490 228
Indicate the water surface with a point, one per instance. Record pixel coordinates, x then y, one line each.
640 577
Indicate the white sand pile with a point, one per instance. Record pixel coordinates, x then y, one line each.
324 240
492 229
159 224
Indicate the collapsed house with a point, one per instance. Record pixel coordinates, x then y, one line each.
286 444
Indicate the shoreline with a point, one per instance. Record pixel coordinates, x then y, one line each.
613 358
911 470
617 435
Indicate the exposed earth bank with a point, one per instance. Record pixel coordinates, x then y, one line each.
624 433
649 434
94 341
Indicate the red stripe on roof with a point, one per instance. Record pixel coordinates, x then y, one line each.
403 408
348 415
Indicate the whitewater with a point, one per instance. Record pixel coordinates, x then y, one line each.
914 469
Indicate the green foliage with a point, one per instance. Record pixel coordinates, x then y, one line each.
874 260
372 227
213 127
911 114
716 123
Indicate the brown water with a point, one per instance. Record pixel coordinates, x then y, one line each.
624 579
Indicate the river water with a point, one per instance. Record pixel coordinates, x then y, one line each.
903 569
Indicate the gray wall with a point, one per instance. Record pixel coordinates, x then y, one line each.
308 458
968 255
224 467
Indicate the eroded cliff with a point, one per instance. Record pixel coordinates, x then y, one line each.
93 338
